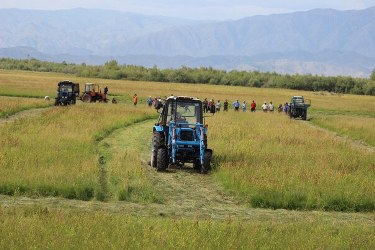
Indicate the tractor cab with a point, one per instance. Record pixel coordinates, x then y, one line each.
67 93
181 110
91 87
180 135
92 93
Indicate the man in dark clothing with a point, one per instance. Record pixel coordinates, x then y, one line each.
105 90
226 105
205 105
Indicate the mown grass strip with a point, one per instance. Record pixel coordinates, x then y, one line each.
358 128
105 156
122 154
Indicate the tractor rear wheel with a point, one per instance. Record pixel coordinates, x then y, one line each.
206 162
157 142
86 98
304 115
162 159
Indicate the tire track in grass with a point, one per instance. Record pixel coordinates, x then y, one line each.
23 114
185 192
358 144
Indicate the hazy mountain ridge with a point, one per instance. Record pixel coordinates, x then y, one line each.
311 31
77 31
320 41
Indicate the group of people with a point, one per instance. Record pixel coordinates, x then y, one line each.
212 107
156 102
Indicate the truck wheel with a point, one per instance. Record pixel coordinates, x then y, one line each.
157 142
206 162
162 159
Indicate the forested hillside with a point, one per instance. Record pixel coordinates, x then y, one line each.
112 70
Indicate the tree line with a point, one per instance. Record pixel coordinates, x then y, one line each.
204 75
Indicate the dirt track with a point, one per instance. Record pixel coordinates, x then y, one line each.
22 114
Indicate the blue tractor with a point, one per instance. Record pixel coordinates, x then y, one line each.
180 136
67 93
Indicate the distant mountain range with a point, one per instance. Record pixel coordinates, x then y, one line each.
320 41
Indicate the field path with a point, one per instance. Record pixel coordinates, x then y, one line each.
352 142
22 114
185 192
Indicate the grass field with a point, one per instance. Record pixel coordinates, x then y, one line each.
262 160
56 153
357 127
44 228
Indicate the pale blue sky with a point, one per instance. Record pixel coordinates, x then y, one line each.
193 9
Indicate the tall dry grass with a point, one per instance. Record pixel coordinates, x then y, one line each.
275 162
57 153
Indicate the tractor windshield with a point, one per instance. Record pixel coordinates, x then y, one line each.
66 88
186 112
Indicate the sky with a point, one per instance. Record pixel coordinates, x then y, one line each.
193 9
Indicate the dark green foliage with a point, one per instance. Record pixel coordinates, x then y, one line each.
204 75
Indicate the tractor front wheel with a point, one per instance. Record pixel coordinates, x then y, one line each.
206 162
197 165
157 142
162 159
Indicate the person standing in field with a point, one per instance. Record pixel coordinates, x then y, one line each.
265 107
253 106
286 108
212 106
271 108
236 105
106 90
135 99
205 105
218 106
149 101
280 108
226 105
244 106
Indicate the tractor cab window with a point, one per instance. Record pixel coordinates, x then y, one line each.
66 88
187 112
